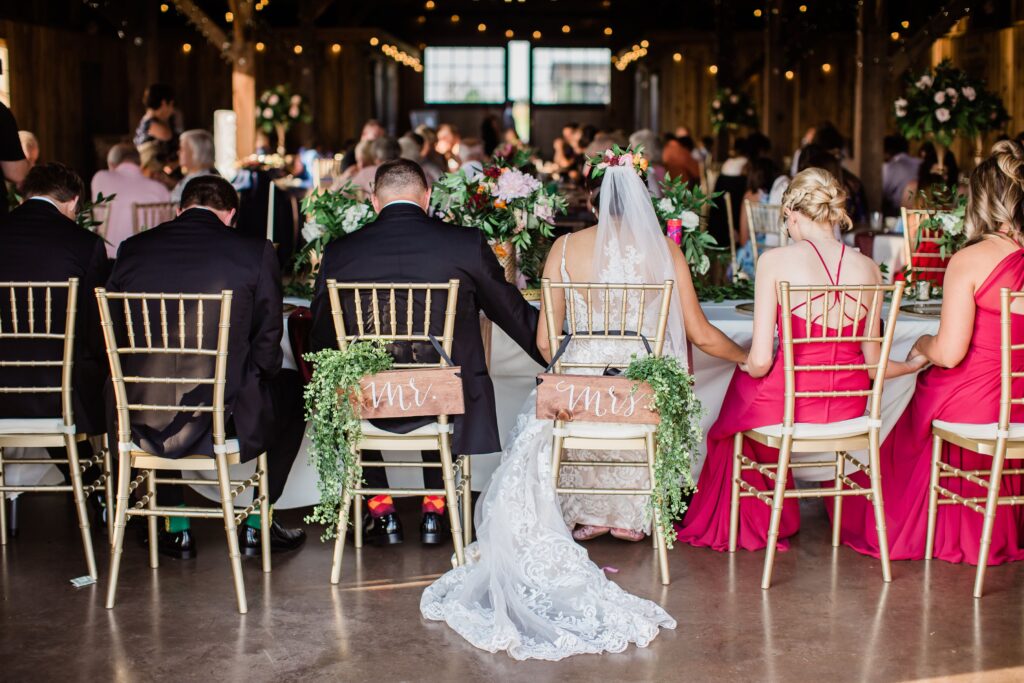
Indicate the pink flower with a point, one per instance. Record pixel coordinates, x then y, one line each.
901 107
940 97
294 111
942 114
515 185
268 113
924 82
274 99
969 93
626 159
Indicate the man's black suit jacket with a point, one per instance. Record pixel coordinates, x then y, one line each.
38 243
196 253
406 245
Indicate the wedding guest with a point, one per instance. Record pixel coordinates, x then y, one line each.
124 180
200 252
739 155
807 139
372 130
930 176
430 153
679 160
761 175
404 244
30 146
732 180
383 150
13 165
648 140
566 148
816 156
411 145
197 159
472 156
812 205
364 158
448 144
898 172
962 385
156 135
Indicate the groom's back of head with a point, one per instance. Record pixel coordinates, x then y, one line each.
400 179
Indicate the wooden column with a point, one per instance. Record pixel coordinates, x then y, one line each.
775 114
870 105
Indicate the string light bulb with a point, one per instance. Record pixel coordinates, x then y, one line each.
536 35
374 41
297 49
758 13
826 68
164 7
510 33
455 18
186 47
895 35
430 4
607 30
481 27
229 17
566 28
677 57
260 46
790 75
713 69
803 8
336 48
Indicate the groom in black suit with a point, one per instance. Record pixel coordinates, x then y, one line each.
404 244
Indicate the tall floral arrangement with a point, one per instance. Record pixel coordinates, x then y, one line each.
330 215
278 110
732 109
948 219
686 202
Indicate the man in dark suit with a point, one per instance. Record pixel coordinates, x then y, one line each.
404 244
199 252
40 242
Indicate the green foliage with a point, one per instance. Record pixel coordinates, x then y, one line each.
679 435
738 289
949 219
335 426
331 215
86 216
687 202
618 156
280 106
732 110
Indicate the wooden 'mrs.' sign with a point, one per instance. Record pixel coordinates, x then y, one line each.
412 393
594 398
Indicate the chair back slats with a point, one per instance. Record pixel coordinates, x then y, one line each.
845 314
27 316
913 237
150 215
175 335
731 224
766 220
624 313
1008 345
376 309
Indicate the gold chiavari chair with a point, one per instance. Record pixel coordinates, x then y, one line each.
325 170
173 325
622 317
389 312
765 220
731 222
837 307
923 265
1002 441
27 316
146 216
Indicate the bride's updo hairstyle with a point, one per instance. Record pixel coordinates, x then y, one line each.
817 194
995 195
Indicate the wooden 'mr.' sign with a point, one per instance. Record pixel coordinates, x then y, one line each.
594 398
412 393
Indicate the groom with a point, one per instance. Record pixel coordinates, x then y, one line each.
404 244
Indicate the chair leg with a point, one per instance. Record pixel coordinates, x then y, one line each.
556 456
79 495
451 498
837 505
991 506
357 521
339 541
781 475
108 486
151 521
467 501
3 503
933 497
879 504
120 520
264 508
734 497
659 541
231 531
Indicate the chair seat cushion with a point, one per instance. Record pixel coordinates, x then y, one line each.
979 432
430 429
858 426
230 446
27 425
604 430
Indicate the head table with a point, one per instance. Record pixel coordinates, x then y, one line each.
513 373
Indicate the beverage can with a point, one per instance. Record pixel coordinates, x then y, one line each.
675 229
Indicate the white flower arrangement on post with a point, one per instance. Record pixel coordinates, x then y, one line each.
278 110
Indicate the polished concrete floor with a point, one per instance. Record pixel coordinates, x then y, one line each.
828 618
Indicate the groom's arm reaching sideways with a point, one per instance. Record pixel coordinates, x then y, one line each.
503 303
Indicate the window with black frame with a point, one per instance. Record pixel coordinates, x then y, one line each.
464 75
571 75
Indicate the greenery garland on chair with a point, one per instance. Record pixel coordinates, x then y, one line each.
336 426
679 435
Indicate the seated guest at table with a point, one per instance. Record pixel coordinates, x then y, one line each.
157 134
812 205
761 175
40 241
898 172
363 154
416 148
372 130
962 385
125 180
930 176
13 165
30 146
827 138
406 245
472 157
383 150
197 159
679 159
448 140
430 153
199 251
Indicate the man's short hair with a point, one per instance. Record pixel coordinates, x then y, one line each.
385 149
895 144
201 143
157 94
210 191
400 176
53 180
122 152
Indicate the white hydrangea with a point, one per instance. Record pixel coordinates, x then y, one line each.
312 231
690 220
951 224
666 205
354 216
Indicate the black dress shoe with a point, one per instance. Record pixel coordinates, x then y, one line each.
383 530
281 539
180 545
433 529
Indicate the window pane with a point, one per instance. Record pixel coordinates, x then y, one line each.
571 75
464 75
519 70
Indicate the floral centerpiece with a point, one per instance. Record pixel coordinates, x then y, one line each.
948 219
510 207
278 110
329 216
732 109
686 202
945 102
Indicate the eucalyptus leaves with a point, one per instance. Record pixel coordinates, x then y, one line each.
335 424
686 202
679 435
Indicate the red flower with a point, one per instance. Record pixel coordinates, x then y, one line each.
492 171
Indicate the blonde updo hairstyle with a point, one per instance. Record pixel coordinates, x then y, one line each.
816 194
995 195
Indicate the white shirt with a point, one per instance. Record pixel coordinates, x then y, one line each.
401 201
47 200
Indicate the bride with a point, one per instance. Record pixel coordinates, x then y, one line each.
528 588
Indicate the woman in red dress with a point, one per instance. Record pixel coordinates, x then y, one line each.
812 205
961 386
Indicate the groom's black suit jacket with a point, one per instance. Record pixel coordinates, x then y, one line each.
406 245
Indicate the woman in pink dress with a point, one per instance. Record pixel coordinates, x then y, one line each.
812 205
962 386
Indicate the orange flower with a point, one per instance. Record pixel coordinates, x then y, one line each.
499 204
643 164
504 169
499 250
481 188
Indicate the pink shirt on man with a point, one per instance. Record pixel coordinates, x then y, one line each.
131 187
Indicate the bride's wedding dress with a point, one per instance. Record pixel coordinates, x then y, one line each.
528 588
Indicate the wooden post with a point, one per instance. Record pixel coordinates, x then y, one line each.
775 114
870 106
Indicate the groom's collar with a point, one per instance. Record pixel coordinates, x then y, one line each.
402 207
